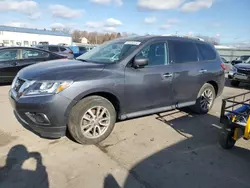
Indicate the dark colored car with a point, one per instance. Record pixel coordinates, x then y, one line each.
239 73
241 59
13 59
244 58
88 95
235 62
58 49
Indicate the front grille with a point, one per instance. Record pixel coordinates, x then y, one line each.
244 71
18 84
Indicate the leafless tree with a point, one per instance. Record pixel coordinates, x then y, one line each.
95 37
76 36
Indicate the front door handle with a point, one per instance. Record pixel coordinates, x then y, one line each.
168 75
202 71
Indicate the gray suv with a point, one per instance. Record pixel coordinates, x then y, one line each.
121 79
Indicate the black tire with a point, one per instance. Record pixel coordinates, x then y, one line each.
197 107
235 83
79 110
226 139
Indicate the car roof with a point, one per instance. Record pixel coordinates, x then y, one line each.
143 39
51 45
23 47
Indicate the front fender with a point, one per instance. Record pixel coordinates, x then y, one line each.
79 91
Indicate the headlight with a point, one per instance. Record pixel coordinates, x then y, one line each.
46 87
13 82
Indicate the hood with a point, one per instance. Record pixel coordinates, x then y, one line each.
59 70
242 66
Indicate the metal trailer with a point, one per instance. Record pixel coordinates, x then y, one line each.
235 118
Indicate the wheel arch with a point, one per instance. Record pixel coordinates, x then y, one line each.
113 97
109 96
215 85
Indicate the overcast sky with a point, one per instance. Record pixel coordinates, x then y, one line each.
225 19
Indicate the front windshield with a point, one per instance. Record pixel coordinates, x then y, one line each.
110 52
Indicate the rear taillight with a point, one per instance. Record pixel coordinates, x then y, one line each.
71 52
223 66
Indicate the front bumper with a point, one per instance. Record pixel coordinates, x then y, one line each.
239 77
55 107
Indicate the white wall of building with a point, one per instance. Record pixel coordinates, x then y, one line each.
84 40
28 39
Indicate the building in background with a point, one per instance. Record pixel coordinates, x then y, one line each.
84 40
17 36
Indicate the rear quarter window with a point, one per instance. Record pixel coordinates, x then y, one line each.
53 49
206 51
182 51
62 49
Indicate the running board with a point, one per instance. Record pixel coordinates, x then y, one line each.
155 110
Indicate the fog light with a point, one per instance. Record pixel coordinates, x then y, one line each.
38 118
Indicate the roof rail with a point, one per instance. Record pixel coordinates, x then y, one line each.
185 36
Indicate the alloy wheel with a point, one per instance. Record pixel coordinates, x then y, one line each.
207 99
95 122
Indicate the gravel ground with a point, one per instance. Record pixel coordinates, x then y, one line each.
172 149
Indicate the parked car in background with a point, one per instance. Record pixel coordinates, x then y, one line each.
224 60
235 62
58 49
227 64
88 95
62 44
240 73
244 58
43 43
78 50
13 59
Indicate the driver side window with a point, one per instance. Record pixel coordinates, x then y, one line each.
156 54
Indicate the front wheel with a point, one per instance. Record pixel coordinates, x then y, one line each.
205 99
92 120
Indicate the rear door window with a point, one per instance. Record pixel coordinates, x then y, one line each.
182 51
207 52
62 49
33 54
53 49
8 55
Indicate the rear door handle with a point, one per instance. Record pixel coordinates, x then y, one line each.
167 75
202 70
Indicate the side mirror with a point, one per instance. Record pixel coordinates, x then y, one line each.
140 62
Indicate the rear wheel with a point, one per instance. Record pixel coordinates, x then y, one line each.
205 99
235 83
92 120
226 139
